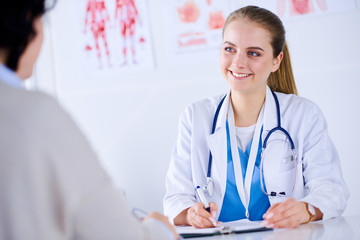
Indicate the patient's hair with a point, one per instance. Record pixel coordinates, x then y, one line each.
16 27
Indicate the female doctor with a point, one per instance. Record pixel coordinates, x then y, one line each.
260 151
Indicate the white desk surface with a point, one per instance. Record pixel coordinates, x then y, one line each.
344 228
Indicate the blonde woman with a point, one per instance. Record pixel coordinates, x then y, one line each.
260 151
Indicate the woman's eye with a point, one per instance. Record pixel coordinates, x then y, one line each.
229 49
254 54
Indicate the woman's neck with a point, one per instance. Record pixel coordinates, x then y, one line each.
247 107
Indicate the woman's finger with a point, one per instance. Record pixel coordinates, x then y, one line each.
199 217
279 208
290 215
213 209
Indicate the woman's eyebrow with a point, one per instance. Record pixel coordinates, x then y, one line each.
248 48
255 48
230 43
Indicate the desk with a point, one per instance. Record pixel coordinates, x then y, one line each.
345 228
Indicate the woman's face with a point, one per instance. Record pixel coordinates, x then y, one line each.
246 57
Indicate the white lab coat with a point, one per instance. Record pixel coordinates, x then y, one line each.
319 178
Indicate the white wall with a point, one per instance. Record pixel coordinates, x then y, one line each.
131 120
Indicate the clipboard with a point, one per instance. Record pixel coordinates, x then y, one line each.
240 226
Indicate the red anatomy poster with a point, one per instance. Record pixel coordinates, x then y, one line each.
298 9
301 8
116 35
196 24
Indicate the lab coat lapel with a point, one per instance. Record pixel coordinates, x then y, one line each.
270 122
218 148
270 115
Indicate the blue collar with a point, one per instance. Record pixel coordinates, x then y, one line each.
9 77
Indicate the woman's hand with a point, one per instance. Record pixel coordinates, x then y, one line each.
158 216
198 217
288 214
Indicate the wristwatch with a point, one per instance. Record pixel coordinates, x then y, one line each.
311 211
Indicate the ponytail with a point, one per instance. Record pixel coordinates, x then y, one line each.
283 80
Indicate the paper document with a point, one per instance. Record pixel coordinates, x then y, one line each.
239 226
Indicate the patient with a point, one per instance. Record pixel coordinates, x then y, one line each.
51 183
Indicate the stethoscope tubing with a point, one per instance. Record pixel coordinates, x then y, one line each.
278 128
208 175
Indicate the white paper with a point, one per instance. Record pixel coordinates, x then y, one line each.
240 225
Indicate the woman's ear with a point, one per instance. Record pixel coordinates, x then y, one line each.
277 62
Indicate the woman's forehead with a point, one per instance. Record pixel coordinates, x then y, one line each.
246 31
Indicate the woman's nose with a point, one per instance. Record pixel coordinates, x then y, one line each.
239 60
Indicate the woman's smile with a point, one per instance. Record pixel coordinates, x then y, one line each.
240 76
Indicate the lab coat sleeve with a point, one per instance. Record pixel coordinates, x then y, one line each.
324 183
180 193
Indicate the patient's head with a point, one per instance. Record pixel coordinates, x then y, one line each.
21 34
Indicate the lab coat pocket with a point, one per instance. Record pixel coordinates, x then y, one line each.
287 162
279 165
286 181
279 153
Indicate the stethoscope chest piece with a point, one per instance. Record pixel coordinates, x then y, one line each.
209 186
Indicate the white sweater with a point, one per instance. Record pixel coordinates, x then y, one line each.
52 185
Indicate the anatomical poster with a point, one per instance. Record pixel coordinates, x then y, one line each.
196 24
297 9
116 36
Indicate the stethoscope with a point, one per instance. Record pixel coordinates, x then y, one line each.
209 185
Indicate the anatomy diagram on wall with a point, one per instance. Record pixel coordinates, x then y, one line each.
117 35
196 24
127 16
300 8
96 19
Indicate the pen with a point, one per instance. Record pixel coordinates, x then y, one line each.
205 202
202 198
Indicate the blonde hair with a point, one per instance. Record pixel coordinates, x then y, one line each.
281 80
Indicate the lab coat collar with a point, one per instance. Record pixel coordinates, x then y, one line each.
221 121
270 112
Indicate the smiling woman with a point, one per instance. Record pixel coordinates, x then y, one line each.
288 184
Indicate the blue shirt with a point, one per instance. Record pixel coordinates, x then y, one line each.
232 208
9 77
